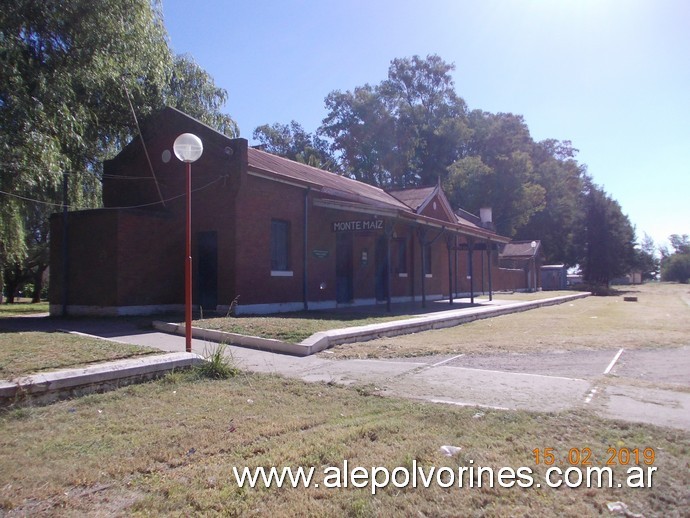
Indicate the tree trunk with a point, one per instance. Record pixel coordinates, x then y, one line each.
12 283
38 284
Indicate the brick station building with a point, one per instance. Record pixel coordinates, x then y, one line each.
275 234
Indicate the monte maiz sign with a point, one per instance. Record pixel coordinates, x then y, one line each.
358 225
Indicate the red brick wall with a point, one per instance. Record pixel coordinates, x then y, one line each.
92 265
150 259
136 257
118 258
258 202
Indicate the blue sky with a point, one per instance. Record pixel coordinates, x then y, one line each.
612 76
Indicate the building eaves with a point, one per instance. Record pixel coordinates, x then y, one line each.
414 198
328 183
520 250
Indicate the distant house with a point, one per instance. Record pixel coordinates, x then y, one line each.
278 234
634 277
554 277
525 256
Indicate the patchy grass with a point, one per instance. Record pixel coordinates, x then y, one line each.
294 327
169 447
660 318
22 308
29 352
516 296
297 326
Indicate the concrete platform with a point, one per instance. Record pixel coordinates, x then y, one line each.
50 386
325 339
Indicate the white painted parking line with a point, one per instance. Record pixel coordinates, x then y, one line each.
460 403
514 373
446 361
613 362
387 362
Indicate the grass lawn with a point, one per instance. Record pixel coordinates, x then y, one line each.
22 308
297 326
168 448
30 352
293 327
516 296
661 317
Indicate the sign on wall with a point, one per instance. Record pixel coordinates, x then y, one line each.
358 225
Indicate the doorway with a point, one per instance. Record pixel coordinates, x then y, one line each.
344 268
381 277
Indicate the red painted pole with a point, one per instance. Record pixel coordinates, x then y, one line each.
188 264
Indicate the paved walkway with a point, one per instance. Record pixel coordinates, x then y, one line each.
608 383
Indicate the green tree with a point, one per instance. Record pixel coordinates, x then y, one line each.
192 90
64 67
293 142
498 171
557 171
402 133
431 116
675 267
646 259
72 72
680 243
363 134
607 238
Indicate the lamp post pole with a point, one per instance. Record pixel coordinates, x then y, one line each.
188 148
188 265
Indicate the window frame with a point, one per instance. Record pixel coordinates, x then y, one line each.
280 248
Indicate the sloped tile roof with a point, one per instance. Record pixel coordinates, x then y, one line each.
520 249
329 183
468 219
413 198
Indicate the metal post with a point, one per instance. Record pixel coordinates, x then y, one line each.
491 288
305 264
470 247
188 264
450 270
422 242
65 249
389 241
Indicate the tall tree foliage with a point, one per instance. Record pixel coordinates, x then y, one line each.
501 172
561 177
607 238
646 260
192 90
291 141
403 132
412 129
675 266
69 70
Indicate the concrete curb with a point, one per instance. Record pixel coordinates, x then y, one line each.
325 339
51 386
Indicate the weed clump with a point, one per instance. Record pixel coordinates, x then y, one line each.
217 365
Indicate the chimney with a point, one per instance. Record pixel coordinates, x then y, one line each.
486 218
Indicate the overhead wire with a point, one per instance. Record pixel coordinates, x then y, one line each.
146 152
53 204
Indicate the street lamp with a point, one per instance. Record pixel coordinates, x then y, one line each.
188 148
533 244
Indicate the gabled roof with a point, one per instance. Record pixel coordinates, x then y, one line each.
520 250
467 219
334 191
414 198
318 179
419 198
